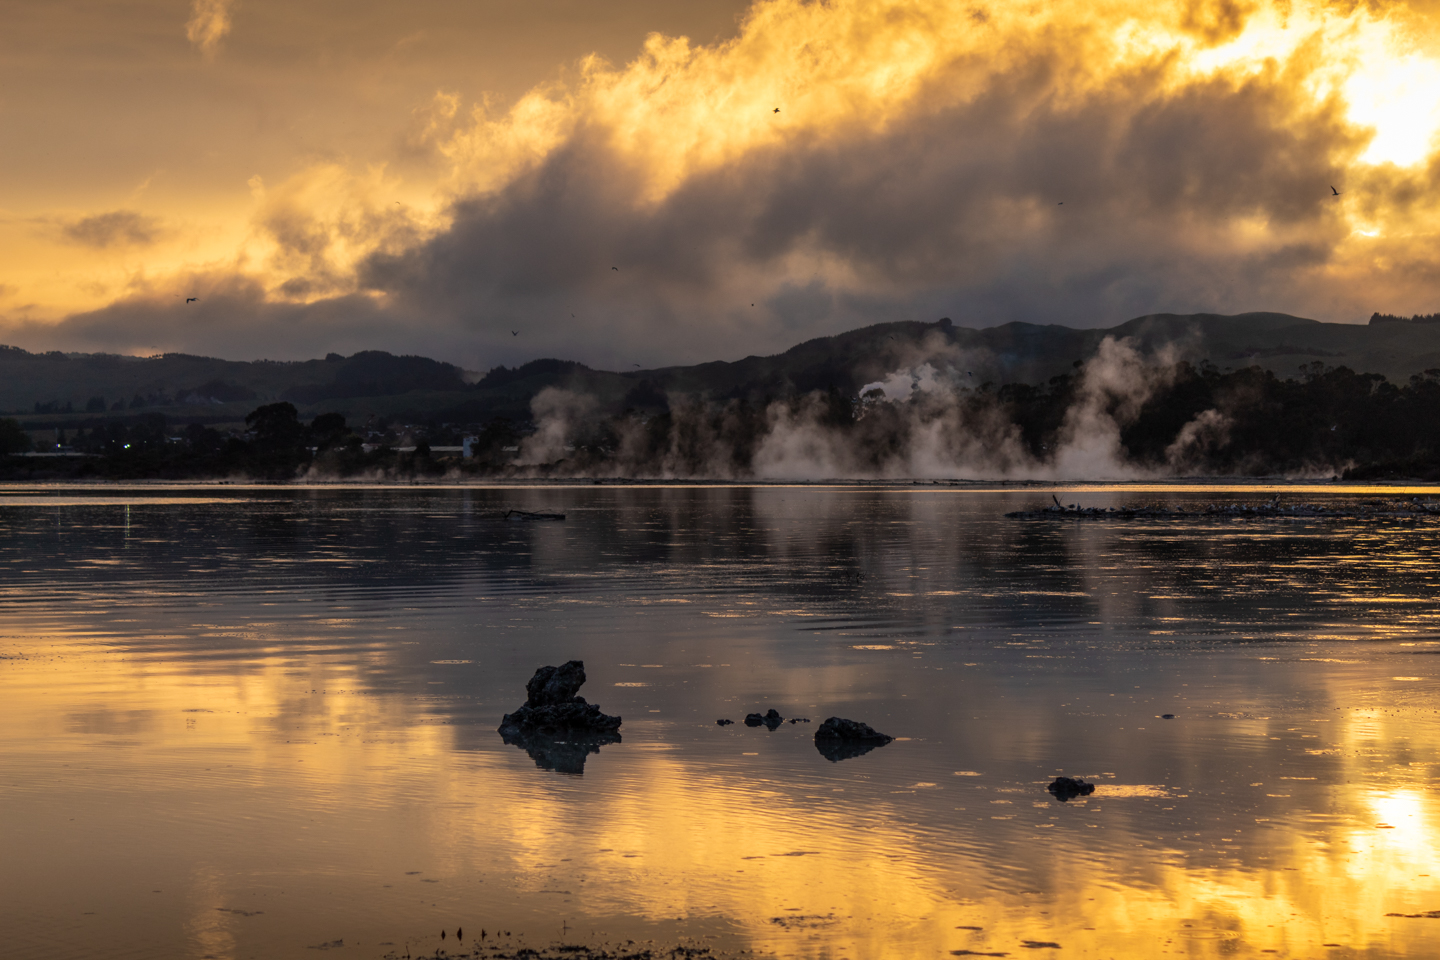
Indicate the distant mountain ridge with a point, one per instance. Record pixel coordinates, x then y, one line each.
57 387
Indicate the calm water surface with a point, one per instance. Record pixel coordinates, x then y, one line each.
247 722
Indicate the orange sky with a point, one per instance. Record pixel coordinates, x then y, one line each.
430 177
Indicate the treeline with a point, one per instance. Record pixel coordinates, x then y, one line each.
1190 420
1378 318
276 445
1327 419
1183 419
211 392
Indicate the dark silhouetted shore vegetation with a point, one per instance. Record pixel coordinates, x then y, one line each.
1327 421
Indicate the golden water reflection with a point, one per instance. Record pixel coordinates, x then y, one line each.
318 778
228 789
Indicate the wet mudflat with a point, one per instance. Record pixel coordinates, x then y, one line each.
240 722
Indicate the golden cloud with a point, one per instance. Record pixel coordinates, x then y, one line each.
209 23
852 161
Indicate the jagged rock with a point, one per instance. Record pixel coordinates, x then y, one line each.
771 719
554 710
552 685
723 723
1068 788
798 720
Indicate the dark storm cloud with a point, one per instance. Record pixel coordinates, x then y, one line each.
1012 206
116 228
1069 164
231 317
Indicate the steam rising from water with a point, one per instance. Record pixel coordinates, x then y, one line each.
927 420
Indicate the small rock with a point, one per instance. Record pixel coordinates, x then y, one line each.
723 723
1068 788
1167 716
798 720
771 719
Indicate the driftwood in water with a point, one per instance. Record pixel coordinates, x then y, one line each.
1371 510
521 515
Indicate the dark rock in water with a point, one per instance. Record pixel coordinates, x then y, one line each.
723 723
771 719
566 755
553 707
798 720
838 728
1068 788
1167 716
552 685
840 739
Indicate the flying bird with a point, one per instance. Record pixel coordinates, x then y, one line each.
777 109
191 299
634 364
514 333
615 268
1060 204
1333 191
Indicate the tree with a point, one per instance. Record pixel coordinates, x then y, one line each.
279 444
12 438
327 430
277 427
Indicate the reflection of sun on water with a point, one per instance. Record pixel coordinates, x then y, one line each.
674 838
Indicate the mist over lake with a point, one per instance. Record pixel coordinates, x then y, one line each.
261 721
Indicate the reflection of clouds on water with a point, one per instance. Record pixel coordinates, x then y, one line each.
288 725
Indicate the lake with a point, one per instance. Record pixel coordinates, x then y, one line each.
261 722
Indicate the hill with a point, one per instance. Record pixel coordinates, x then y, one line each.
58 389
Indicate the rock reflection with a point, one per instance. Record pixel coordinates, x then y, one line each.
837 750
566 755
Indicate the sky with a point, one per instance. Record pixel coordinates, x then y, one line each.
645 182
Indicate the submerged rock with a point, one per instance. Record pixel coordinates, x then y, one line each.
1068 788
553 708
723 723
770 719
840 739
